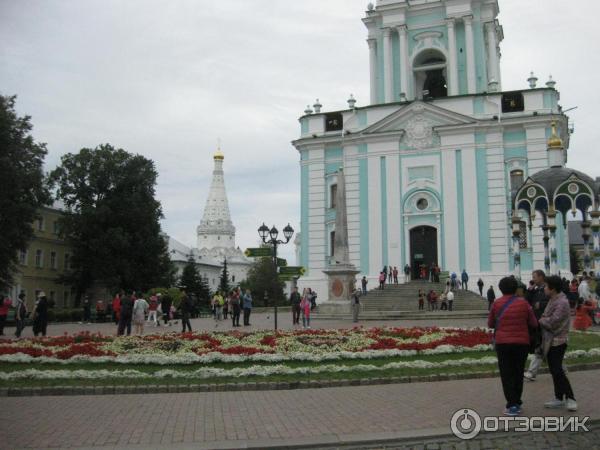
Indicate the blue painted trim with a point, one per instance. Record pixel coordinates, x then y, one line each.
517 152
480 52
303 126
461 212
483 211
478 106
406 196
304 217
384 225
331 168
333 153
514 136
526 260
363 177
361 117
461 44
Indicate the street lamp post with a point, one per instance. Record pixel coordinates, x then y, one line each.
270 237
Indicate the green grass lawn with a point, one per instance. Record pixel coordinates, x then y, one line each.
578 341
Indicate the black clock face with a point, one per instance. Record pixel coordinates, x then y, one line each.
512 102
334 122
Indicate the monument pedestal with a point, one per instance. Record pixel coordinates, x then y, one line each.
341 281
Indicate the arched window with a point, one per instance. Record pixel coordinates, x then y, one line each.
517 178
430 74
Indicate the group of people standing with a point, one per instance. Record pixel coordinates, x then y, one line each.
445 298
537 321
302 305
232 304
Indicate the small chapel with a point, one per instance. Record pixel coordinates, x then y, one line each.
445 165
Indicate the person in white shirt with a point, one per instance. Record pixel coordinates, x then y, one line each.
450 298
140 308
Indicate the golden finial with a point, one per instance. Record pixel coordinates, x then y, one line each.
555 142
219 154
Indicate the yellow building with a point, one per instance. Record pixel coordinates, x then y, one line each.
46 259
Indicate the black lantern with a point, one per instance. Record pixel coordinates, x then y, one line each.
288 232
274 233
263 232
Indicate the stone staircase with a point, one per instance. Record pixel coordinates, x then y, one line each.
405 297
401 301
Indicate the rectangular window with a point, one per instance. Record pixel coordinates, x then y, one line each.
53 260
39 258
40 224
23 257
332 243
56 227
516 179
332 195
522 235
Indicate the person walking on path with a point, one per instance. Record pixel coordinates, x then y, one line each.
537 298
40 315
305 309
87 310
5 304
406 273
421 300
247 303
555 323
511 317
140 308
235 308
20 314
165 307
355 304
126 315
218 301
491 296
450 298
116 307
153 310
464 278
364 282
295 300
480 286
395 275
186 306
381 280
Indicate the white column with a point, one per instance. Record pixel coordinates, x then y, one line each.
452 63
596 239
404 66
388 66
373 68
471 81
492 42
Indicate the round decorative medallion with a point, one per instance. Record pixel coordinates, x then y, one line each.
573 188
422 204
337 288
531 192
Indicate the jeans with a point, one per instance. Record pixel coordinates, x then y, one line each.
247 312
235 316
305 320
562 386
450 302
218 313
124 322
465 285
185 321
295 314
153 317
355 312
364 290
20 325
511 362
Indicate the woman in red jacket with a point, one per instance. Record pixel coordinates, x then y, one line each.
511 317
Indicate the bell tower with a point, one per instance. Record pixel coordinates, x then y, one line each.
432 48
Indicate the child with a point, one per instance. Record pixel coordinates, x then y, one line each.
582 316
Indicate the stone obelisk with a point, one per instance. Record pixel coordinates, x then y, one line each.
341 272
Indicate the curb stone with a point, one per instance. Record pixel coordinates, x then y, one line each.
256 386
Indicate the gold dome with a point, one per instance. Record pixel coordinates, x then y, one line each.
555 142
219 154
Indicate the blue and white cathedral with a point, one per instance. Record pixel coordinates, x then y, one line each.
433 163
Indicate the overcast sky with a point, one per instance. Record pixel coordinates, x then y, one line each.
166 79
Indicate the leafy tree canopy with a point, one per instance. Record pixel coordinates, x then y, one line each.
112 220
23 189
262 277
193 282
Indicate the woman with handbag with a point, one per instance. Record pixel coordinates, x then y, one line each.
511 317
555 323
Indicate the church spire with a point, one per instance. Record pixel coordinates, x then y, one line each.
216 228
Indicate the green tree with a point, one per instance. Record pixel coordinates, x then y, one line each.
112 220
224 280
23 188
193 282
262 277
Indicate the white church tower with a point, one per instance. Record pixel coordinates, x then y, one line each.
216 228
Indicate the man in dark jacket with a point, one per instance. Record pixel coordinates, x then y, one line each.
538 300
126 314
295 301
186 308
491 296
40 315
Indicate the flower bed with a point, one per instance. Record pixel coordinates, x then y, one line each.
236 346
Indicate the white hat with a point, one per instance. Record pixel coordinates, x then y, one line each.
41 294
159 295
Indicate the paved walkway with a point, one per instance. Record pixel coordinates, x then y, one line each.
258 322
302 418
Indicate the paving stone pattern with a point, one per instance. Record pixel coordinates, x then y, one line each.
309 418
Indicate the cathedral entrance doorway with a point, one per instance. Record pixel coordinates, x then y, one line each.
423 249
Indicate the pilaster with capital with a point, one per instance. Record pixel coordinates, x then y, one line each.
373 68
452 63
492 50
404 65
388 68
470 48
